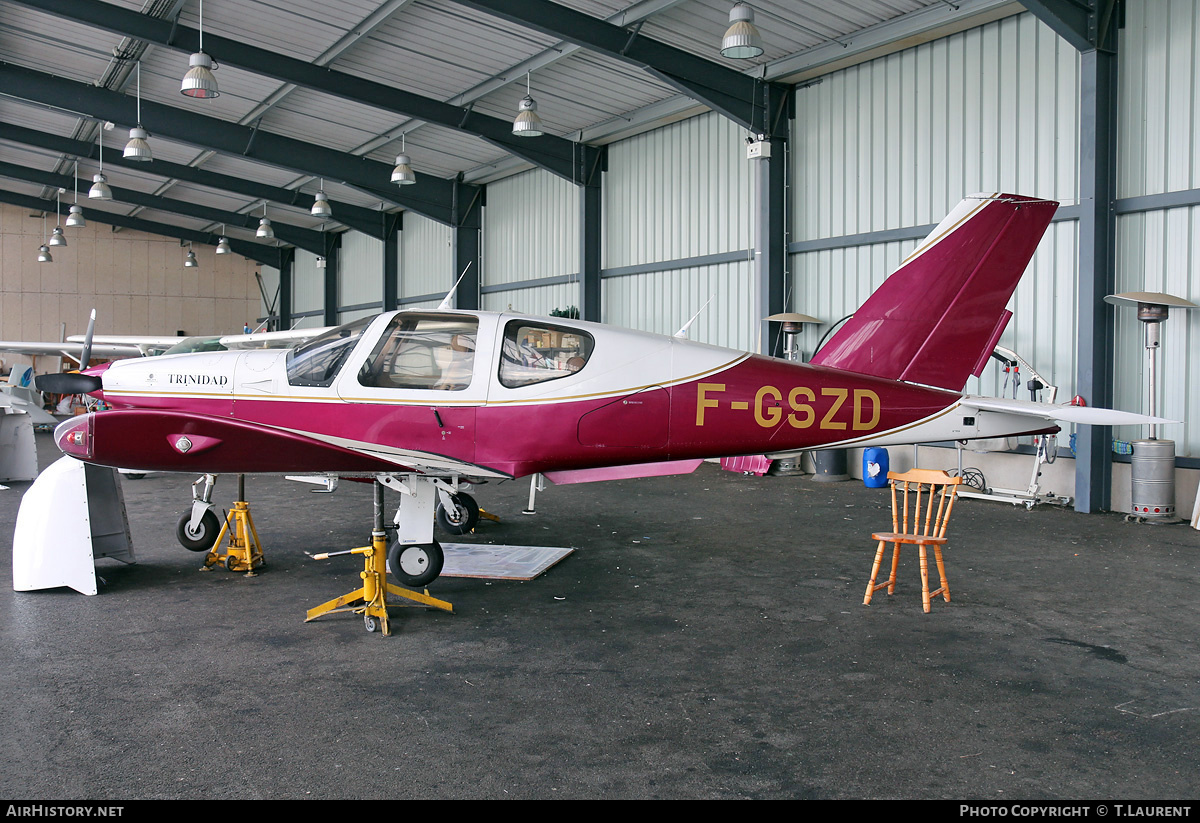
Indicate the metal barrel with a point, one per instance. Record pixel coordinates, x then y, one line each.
1153 478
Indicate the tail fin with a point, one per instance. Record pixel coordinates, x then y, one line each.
937 317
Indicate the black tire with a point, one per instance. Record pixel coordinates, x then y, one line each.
464 517
416 565
205 535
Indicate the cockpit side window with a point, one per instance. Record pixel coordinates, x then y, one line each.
317 362
535 352
417 351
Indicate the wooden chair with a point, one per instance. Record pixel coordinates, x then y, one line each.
910 491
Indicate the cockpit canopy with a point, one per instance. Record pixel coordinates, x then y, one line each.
435 351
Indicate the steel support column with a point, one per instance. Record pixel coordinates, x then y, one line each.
590 239
392 226
1097 273
468 223
287 260
333 244
770 242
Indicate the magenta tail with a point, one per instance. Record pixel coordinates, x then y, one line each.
936 319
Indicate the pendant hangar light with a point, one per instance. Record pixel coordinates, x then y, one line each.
75 217
137 148
189 262
100 189
223 243
742 39
527 123
199 81
321 207
56 237
402 174
44 255
265 232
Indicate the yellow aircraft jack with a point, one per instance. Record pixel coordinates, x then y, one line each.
371 600
245 551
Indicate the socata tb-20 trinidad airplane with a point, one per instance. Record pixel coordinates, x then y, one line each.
424 400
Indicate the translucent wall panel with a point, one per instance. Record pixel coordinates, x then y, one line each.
1159 65
426 257
360 270
530 228
308 284
898 141
1159 252
664 301
681 191
540 300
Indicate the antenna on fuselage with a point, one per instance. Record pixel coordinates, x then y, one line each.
683 331
445 304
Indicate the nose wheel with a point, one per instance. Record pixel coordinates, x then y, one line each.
416 565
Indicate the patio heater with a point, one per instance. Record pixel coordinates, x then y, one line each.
1152 475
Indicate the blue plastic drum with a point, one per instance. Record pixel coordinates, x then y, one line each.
875 468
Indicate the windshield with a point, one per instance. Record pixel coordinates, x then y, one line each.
318 361
189 345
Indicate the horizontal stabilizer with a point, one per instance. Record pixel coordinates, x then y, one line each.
1087 415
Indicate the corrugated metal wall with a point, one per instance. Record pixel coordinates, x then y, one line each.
360 270
426 257
308 290
685 190
540 300
530 228
896 142
1159 250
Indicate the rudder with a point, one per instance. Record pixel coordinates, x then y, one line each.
938 316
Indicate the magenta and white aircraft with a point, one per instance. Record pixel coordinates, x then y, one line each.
427 400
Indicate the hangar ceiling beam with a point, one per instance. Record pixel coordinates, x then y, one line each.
555 154
431 197
752 103
304 238
355 217
1085 24
266 255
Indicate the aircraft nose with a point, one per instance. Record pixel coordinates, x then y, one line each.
74 437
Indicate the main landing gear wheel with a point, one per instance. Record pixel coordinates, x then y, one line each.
416 565
200 539
462 518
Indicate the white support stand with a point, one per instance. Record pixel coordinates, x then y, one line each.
418 503
71 515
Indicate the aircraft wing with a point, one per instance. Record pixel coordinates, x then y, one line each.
272 339
1086 415
143 344
69 350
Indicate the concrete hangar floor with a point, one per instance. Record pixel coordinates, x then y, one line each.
707 640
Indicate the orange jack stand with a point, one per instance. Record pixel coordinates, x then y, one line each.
371 600
245 552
